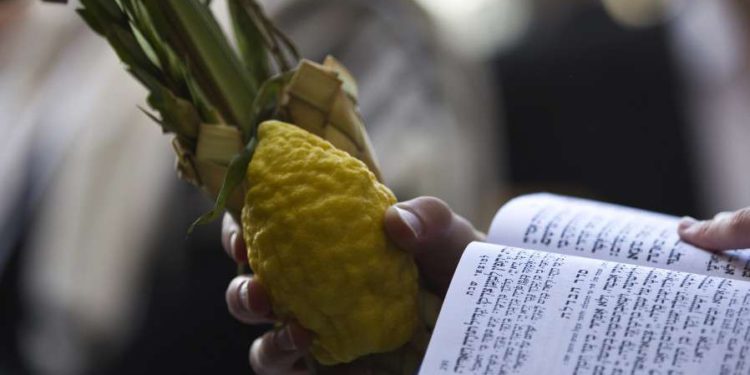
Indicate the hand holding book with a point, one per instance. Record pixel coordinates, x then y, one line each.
437 237
591 287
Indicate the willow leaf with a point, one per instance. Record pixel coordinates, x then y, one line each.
92 20
270 90
234 178
130 50
108 19
146 33
178 114
114 10
108 10
278 45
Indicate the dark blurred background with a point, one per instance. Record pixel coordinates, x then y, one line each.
641 103
594 107
644 103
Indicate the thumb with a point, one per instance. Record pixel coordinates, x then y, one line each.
436 236
726 231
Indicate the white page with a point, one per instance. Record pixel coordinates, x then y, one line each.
608 232
527 312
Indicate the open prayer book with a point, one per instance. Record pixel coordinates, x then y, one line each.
571 286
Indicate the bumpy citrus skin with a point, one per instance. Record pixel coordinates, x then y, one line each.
313 223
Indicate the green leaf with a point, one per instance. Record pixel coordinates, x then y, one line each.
147 48
108 10
91 20
108 19
114 10
277 44
270 90
196 37
151 82
249 40
147 35
177 114
129 50
208 112
153 117
235 176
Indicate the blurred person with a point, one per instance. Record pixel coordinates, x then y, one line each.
93 219
593 109
711 40
73 153
642 103
95 273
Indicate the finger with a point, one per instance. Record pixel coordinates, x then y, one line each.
427 228
724 232
722 215
247 301
280 351
232 241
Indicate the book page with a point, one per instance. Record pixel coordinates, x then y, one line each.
608 232
527 312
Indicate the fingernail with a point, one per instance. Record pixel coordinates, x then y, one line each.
232 242
239 252
686 222
411 220
244 296
284 339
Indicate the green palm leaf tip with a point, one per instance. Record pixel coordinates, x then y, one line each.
192 31
112 21
172 69
109 20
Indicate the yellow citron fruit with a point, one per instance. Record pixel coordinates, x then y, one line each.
313 224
